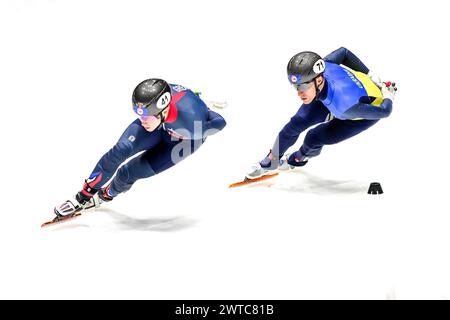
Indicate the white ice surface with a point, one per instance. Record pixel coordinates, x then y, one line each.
67 71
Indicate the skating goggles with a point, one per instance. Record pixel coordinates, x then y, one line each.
144 113
303 86
141 110
295 80
151 118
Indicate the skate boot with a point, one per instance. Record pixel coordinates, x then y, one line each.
105 194
80 202
257 171
267 166
292 161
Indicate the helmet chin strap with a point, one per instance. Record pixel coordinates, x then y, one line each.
317 89
160 125
163 118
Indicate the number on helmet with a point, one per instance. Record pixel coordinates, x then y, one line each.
163 101
319 66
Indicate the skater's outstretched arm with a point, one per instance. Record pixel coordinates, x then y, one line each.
288 135
307 116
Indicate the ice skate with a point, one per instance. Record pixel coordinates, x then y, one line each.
78 203
105 194
72 208
257 171
255 174
285 166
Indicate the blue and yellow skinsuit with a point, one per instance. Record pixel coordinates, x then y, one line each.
187 125
348 94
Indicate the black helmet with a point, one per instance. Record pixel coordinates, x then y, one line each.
151 96
303 68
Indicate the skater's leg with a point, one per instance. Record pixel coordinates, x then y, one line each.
163 156
329 133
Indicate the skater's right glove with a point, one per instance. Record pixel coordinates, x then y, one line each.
388 90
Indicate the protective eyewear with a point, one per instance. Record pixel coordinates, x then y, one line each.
303 86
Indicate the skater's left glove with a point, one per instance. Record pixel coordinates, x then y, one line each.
216 104
388 90
296 159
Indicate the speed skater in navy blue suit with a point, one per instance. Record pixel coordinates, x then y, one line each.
173 123
341 98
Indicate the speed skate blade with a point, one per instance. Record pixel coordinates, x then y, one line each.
59 220
248 181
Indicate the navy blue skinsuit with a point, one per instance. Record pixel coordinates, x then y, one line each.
187 125
348 94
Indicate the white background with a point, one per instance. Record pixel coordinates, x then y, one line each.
67 71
